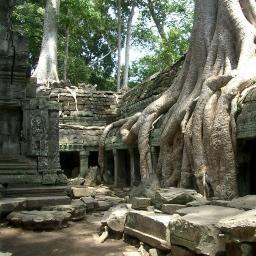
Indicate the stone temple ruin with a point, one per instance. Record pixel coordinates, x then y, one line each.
51 135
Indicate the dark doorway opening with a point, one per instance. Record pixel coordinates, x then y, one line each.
93 158
246 167
10 131
70 163
109 168
137 176
123 168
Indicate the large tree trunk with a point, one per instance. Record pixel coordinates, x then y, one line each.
127 46
119 47
46 70
198 134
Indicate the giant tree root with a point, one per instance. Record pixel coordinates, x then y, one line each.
197 144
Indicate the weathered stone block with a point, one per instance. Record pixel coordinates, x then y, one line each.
140 203
39 220
175 196
150 228
91 203
239 228
197 230
171 208
8 205
247 202
115 218
78 192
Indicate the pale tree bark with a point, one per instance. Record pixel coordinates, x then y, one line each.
65 69
159 25
127 46
119 47
46 70
198 134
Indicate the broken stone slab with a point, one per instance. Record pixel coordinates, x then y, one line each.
175 196
197 229
78 192
39 220
246 203
8 205
115 218
77 209
150 228
91 203
239 228
140 203
171 208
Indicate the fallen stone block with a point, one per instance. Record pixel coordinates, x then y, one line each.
246 203
78 192
39 220
239 228
175 196
171 208
8 205
115 218
140 203
197 228
91 203
150 228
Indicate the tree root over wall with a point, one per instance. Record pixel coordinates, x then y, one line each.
198 136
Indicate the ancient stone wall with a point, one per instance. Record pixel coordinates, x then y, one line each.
83 115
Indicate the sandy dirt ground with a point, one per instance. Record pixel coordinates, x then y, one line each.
79 239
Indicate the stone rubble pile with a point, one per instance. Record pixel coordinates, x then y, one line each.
166 224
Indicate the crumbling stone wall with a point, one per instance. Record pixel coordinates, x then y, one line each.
29 145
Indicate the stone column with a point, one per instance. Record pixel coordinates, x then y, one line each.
132 165
84 158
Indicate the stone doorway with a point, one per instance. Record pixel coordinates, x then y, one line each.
93 158
109 168
122 168
70 163
246 166
10 131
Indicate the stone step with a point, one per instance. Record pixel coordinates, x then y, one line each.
8 205
35 191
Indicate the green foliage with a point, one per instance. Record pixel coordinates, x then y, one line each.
92 27
28 21
176 18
